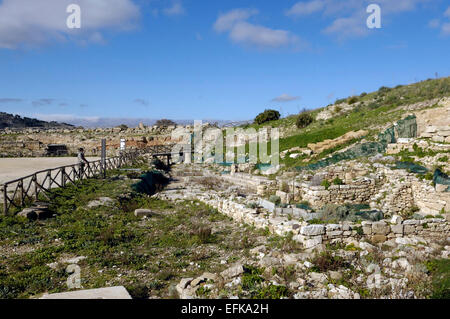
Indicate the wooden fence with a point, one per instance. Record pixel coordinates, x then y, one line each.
27 189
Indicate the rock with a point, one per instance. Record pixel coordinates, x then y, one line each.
313 242
397 229
366 246
396 220
341 292
307 264
197 281
268 261
140 212
380 228
74 260
28 213
401 263
209 276
318 277
379 238
102 201
233 271
312 230
335 275
184 283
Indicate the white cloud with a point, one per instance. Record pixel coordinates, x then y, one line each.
349 17
175 10
350 27
435 23
226 21
445 29
285 98
242 32
447 12
306 8
66 118
33 23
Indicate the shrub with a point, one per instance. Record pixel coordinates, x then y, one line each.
352 100
326 261
325 183
363 94
304 119
275 199
443 159
384 89
338 181
267 116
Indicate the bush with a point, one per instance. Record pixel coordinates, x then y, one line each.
384 89
352 100
267 116
325 183
304 119
338 181
275 199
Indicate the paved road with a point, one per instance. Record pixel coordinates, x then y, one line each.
12 168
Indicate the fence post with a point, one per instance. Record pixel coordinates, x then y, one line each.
5 199
63 177
49 175
35 186
22 202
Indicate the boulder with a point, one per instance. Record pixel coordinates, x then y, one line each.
233 271
140 212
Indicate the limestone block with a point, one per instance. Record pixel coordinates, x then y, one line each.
312 230
380 228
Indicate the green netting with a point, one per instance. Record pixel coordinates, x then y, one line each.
407 128
349 212
411 167
303 206
387 136
360 150
441 178
150 183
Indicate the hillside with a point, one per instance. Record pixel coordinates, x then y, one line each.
368 111
15 121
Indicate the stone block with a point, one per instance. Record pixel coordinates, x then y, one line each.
312 230
380 228
143 212
397 229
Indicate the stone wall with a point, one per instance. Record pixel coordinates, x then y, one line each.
312 235
359 192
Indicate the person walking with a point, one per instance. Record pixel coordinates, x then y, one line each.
82 162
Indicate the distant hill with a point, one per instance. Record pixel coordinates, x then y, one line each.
15 121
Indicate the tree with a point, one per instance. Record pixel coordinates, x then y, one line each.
123 127
304 119
267 116
165 123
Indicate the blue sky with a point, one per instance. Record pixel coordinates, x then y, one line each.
198 59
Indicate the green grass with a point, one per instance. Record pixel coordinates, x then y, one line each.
150 255
440 271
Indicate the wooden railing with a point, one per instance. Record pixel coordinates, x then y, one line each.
17 193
